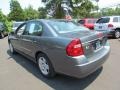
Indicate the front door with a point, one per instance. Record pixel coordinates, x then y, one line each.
17 43
31 36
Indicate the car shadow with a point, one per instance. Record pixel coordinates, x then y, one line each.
59 82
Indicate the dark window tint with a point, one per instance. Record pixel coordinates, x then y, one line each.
21 29
34 28
103 20
81 21
115 19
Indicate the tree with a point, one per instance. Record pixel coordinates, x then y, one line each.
42 12
2 16
30 13
108 12
16 12
6 23
81 8
84 9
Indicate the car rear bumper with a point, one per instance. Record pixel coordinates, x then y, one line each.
87 66
111 33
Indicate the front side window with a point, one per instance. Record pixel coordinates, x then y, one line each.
34 28
21 29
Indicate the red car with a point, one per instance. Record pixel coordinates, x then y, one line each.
88 22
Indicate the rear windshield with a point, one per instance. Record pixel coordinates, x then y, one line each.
103 20
66 26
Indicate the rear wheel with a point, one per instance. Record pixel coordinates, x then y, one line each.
45 66
117 34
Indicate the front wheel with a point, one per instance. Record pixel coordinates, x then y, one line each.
45 66
11 48
117 34
2 35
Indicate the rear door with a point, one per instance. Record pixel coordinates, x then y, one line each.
102 24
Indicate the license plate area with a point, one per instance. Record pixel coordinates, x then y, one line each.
100 27
96 44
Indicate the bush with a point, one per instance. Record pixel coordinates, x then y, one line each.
8 25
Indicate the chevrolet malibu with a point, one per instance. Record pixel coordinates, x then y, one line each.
60 46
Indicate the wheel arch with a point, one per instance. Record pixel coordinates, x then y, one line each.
37 53
118 29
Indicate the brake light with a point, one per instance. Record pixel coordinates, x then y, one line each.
110 25
74 48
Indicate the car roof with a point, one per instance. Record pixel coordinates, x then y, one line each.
47 20
109 16
89 18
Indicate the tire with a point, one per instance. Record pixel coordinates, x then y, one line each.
11 48
2 35
45 66
117 34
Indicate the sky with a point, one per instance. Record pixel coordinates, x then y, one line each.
4 4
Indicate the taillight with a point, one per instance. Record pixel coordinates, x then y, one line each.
74 48
110 25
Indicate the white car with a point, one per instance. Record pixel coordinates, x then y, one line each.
110 24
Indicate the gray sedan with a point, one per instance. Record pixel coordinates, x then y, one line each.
60 46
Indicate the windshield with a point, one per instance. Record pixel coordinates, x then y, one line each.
66 26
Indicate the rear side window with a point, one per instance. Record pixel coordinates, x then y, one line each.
115 19
103 20
91 21
81 21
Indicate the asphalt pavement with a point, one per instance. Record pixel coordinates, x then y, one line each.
19 73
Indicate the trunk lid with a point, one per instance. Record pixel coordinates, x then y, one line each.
91 41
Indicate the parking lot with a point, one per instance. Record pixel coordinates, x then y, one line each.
18 73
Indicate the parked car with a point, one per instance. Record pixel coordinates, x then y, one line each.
110 24
16 24
3 32
60 46
88 22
